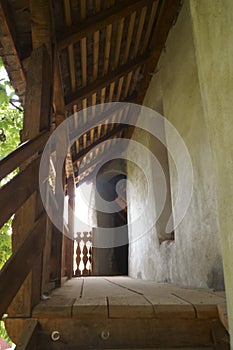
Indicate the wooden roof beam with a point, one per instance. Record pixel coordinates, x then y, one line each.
11 55
113 14
88 177
106 137
100 158
41 24
106 80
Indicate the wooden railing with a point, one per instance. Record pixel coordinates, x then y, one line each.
83 253
12 195
20 264
22 153
26 182
18 190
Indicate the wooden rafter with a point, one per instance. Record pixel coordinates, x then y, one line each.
118 42
106 59
139 31
41 24
129 36
8 23
149 26
58 97
102 117
99 21
87 169
11 55
68 21
106 80
107 136
86 178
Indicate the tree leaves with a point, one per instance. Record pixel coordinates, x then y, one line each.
11 122
5 243
3 333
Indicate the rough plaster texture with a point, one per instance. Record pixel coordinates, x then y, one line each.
194 257
213 32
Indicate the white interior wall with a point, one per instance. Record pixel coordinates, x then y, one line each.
213 32
194 257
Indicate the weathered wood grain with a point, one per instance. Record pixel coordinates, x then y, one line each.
99 21
29 337
22 153
15 193
106 80
20 264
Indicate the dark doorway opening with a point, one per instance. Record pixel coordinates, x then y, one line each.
112 260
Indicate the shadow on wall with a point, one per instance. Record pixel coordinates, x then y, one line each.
215 276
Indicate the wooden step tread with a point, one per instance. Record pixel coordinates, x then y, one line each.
123 297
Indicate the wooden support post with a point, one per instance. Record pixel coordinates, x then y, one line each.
36 119
41 27
68 242
63 244
71 225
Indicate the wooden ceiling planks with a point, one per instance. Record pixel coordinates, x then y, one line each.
107 51
99 21
120 87
70 47
150 25
139 31
106 80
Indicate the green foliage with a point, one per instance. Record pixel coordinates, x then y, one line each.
10 125
3 333
4 96
11 121
5 243
11 118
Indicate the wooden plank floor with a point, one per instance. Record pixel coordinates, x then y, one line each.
121 313
119 297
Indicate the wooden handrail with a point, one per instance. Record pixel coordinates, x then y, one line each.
20 264
18 190
22 153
